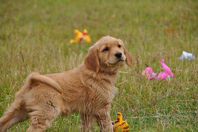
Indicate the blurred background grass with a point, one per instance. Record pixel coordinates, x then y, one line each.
35 34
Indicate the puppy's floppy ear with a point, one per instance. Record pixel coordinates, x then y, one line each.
127 54
128 57
92 60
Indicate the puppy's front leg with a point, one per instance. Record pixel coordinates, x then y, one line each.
104 120
87 121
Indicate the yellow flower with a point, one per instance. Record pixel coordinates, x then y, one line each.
81 36
120 125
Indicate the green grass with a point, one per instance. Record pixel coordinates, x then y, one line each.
35 34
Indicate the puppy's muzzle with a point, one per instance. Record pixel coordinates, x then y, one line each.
119 56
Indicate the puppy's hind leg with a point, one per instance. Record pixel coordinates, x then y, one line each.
41 119
14 114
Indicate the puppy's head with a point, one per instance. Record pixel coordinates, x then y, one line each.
107 53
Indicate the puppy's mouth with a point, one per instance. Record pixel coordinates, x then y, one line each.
119 61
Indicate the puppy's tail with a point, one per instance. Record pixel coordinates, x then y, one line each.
17 111
34 78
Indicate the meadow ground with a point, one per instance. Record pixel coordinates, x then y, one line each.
35 34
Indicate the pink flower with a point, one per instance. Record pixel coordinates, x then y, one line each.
149 73
166 74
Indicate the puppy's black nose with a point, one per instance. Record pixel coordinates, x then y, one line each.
118 55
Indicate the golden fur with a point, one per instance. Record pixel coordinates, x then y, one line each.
88 89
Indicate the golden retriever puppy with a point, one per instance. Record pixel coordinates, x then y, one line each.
88 89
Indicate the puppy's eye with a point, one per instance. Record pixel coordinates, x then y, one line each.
105 49
119 46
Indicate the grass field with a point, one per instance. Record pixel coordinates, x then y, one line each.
35 34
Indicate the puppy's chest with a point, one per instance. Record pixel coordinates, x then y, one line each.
101 93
